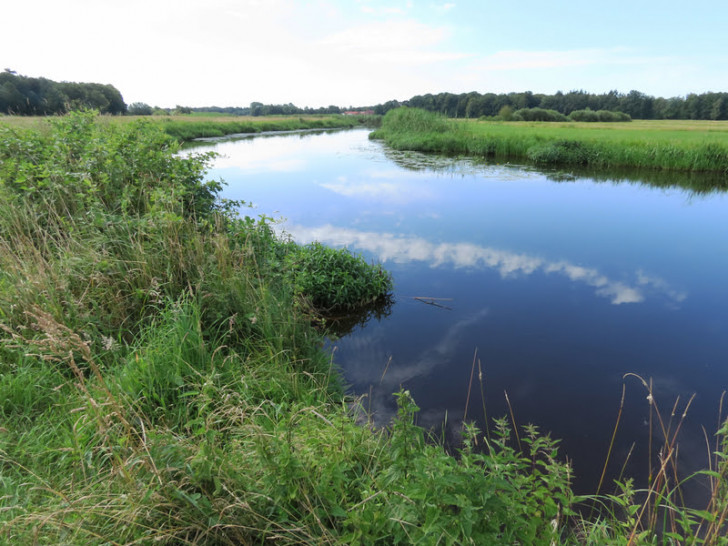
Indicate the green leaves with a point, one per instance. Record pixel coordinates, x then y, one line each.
334 279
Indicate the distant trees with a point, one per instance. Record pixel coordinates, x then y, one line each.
634 104
22 95
537 114
260 109
140 109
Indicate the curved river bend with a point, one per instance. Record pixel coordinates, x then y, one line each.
556 288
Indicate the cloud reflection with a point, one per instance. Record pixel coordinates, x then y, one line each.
402 249
381 405
388 192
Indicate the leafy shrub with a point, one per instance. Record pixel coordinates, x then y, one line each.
495 496
538 114
334 279
599 115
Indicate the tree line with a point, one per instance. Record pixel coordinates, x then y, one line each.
23 95
637 105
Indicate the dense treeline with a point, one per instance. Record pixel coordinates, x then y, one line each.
637 105
23 95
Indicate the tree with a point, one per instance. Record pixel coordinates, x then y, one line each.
139 109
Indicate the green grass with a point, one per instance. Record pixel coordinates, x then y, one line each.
188 127
162 381
686 146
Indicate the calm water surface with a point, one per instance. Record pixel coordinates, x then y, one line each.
556 289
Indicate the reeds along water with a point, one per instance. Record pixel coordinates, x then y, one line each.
544 144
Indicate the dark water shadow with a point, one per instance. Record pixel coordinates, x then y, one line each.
338 325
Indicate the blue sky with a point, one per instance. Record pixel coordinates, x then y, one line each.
359 52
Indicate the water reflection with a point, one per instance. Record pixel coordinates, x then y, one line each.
696 183
391 247
339 326
561 287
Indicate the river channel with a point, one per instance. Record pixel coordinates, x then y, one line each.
555 285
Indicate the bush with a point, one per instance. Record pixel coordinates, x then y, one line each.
538 114
139 109
334 279
600 115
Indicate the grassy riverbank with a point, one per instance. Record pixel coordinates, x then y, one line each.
688 146
161 380
188 127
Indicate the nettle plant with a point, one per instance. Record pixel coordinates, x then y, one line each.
335 280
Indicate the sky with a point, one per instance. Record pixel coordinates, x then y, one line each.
365 52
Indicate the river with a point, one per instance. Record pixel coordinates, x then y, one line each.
549 287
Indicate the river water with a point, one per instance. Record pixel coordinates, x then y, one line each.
551 287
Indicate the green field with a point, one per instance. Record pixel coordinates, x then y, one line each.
188 127
687 146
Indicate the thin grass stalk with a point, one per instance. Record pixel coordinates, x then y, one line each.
720 423
470 386
611 442
513 420
482 398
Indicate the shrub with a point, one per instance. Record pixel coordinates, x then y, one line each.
600 115
538 114
334 279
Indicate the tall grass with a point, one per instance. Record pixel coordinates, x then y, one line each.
185 127
161 380
188 129
659 513
653 145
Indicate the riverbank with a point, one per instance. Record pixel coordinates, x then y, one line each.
684 146
189 127
162 378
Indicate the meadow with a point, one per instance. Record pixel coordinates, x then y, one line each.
687 146
162 380
187 127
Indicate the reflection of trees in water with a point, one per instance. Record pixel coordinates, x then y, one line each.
341 325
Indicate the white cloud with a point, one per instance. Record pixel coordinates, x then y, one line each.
387 192
390 247
393 41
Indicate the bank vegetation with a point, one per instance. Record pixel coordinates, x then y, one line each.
681 146
162 380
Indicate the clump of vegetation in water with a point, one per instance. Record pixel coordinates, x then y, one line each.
334 280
